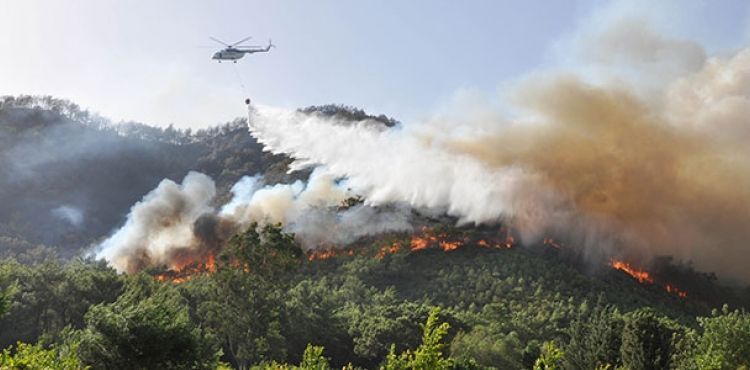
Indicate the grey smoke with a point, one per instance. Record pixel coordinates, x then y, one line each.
71 214
175 223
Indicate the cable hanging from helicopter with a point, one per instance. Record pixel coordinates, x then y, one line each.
237 50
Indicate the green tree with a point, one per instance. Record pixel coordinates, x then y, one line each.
146 327
594 338
430 355
488 348
50 296
5 296
311 316
312 359
385 319
647 340
243 311
725 343
242 302
266 251
32 357
551 357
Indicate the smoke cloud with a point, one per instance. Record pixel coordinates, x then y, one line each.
611 171
176 224
73 215
650 160
161 225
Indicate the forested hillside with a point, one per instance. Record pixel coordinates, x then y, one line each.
69 176
391 301
264 303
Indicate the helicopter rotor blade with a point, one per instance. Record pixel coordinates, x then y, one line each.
220 42
241 41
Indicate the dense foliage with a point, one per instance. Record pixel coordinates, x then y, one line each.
266 306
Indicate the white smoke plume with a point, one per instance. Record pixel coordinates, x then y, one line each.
639 154
176 224
613 170
161 225
310 211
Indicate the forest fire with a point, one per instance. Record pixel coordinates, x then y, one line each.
428 238
324 254
671 289
644 277
441 239
389 249
185 271
552 243
425 239
640 275
431 239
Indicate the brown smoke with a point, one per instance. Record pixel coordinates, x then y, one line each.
667 180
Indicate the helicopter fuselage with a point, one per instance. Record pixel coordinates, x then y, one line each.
236 51
229 54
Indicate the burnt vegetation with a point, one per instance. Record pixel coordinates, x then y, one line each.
261 302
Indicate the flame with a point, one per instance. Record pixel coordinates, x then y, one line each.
509 242
450 246
184 270
388 249
425 238
418 244
644 277
430 240
672 289
321 254
640 275
552 243
328 253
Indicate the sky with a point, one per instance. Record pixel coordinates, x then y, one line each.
150 61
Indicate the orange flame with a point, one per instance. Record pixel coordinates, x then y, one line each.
672 289
640 275
552 243
321 254
418 244
645 277
185 270
324 254
426 238
388 249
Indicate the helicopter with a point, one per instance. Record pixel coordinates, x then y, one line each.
236 51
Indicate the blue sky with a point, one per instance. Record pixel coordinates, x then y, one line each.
142 60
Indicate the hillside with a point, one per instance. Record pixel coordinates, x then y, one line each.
503 306
71 177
